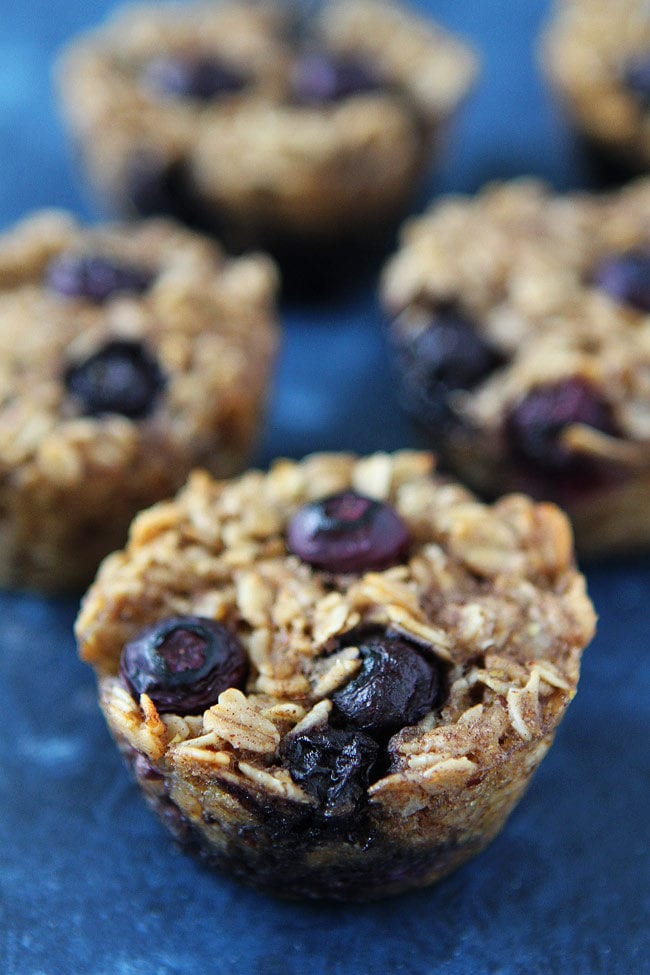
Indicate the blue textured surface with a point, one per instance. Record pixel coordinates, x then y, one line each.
88 881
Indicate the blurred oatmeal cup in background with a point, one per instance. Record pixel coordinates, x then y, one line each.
596 56
308 138
130 355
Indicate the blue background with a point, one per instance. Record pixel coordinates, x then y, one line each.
89 882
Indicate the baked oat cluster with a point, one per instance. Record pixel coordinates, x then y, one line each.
521 331
128 355
236 117
336 679
597 56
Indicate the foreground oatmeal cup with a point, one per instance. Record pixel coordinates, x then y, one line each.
128 355
227 114
520 328
336 679
597 56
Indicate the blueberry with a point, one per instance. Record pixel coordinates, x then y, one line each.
121 377
183 663
319 79
95 278
333 765
143 770
636 77
397 685
348 532
536 423
626 278
449 354
202 78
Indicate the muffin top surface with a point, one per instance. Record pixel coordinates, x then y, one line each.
548 295
116 333
191 63
451 638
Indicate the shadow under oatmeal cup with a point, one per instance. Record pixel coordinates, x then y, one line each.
307 139
336 679
129 355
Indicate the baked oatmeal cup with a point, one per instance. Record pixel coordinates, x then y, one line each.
596 54
128 355
520 328
336 679
301 138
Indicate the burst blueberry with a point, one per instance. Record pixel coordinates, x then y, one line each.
319 79
333 765
626 278
348 532
204 78
183 663
449 354
95 278
397 685
537 423
121 377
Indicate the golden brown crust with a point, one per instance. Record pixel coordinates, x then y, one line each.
518 260
264 164
492 591
70 484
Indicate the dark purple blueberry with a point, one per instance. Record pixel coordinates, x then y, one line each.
636 77
536 423
448 355
397 685
626 278
143 770
348 532
95 278
202 78
319 78
121 377
183 663
334 766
